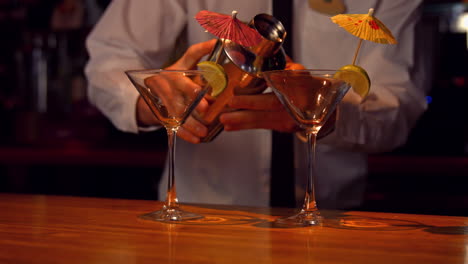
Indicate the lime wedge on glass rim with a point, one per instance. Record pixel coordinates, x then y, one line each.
357 77
214 75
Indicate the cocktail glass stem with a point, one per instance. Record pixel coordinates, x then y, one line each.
171 211
171 195
310 204
309 214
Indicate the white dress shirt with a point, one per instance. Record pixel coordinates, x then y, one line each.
235 167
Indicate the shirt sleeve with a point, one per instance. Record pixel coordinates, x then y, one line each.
130 35
383 120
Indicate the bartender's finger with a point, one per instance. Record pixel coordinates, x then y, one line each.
193 55
276 120
195 127
291 65
266 101
294 66
144 115
202 106
187 135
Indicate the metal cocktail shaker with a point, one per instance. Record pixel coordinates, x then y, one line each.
243 66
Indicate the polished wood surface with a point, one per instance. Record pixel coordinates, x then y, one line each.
61 229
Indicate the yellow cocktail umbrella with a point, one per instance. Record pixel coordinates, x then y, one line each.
365 26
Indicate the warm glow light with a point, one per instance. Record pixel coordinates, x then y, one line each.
462 22
462 25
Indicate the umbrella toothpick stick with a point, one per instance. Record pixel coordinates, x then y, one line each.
357 51
370 13
234 14
218 56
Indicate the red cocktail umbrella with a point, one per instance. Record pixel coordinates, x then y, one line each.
228 27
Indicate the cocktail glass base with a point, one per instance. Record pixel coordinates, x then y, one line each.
303 218
171 215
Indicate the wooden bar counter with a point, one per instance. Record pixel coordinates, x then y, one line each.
62 229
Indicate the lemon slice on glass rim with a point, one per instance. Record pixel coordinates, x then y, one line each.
214 75
357 77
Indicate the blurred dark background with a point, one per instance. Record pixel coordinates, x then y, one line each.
52 141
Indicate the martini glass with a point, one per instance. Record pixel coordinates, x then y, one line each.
171 95
310 97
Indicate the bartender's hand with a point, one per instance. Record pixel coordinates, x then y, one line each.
260 111
192 130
